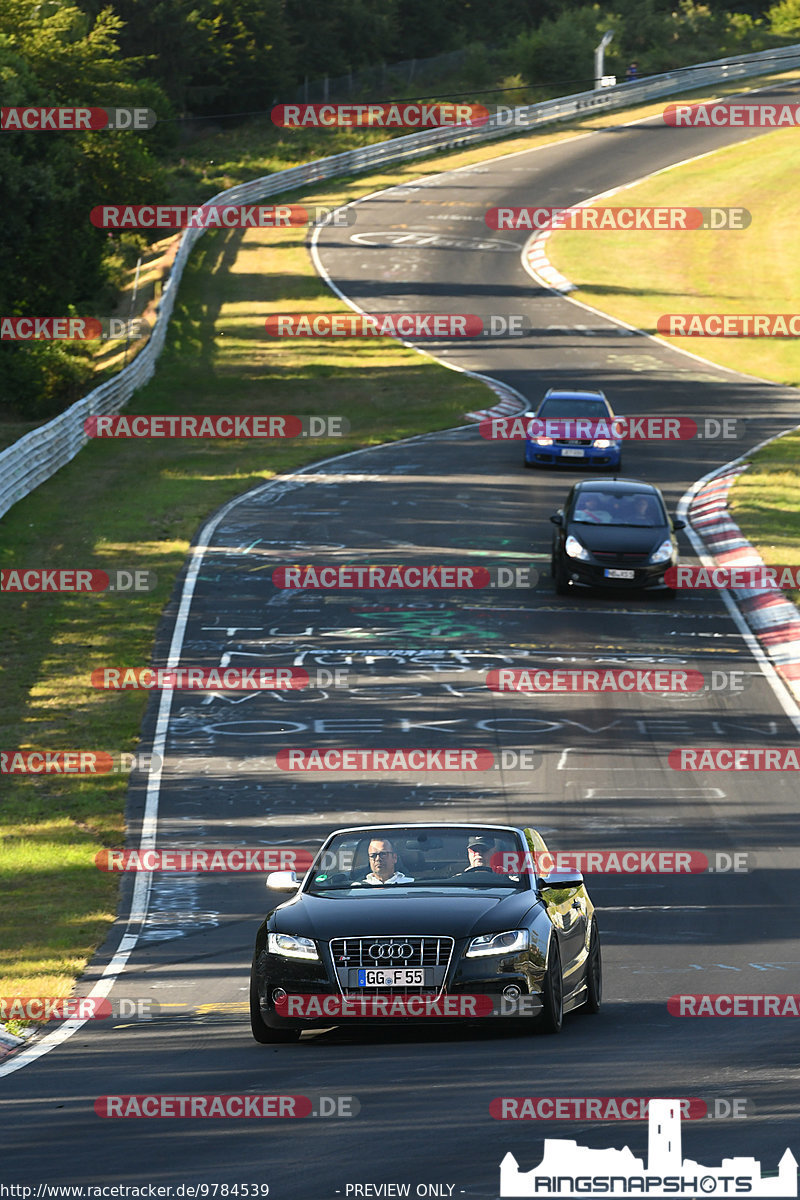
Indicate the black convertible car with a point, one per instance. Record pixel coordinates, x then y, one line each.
429 921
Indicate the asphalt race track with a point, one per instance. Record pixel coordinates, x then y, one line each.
416 664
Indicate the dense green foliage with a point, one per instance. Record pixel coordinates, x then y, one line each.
52 260
222 59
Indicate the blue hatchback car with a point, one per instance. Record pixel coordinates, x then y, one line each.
574 450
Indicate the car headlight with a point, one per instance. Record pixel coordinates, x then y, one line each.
510 942
663 553
602 443
574 549
289 946
544 441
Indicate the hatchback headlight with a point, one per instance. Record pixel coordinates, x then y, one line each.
663 553
602 443
574 549
544 441
287 945
510 942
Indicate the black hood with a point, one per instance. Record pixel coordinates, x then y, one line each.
375 911
626 539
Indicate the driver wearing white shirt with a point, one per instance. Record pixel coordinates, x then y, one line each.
383 861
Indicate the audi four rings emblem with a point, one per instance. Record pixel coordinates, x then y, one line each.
390 950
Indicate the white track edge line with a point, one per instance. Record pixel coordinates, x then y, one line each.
781 691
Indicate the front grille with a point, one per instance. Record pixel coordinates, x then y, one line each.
626 559
392 950
573 441
424 951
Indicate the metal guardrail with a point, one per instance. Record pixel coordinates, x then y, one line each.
34 458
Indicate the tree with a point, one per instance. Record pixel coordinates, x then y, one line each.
51 256
784 19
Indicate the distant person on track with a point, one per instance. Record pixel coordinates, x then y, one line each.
632 72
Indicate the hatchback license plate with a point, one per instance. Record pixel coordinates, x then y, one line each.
572 453
614 573
392 977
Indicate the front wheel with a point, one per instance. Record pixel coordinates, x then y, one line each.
261 1031
594 971
552 1017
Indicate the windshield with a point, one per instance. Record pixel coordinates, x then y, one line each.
367 860
594 410
636 509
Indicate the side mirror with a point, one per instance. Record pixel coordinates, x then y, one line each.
562 879
282 881
678 524
557 518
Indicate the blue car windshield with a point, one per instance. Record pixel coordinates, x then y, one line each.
578 409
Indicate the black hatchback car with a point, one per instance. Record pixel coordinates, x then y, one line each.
615 534
428 921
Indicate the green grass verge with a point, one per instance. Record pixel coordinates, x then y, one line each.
642 275
638 277
765 503
137 504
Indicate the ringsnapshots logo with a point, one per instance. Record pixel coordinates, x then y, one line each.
570 1170
719 114
62 580
618 219
221 426
386 115
47 119
729 325
72 329
403 576
217 216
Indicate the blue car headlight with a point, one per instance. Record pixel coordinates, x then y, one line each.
574 549
510 942
663 553
287 945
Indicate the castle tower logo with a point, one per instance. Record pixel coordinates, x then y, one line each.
569 1170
